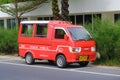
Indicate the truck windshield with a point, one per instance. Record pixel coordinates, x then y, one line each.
78 33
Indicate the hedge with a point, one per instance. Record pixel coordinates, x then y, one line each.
107 37
8 41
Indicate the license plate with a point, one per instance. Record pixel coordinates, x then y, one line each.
83 58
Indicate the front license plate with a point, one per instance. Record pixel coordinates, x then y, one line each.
83 58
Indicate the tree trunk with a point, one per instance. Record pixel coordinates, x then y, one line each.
16 14
55 10
64 10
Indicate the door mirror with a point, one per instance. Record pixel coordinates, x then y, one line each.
66 37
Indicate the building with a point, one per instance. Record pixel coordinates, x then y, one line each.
81 12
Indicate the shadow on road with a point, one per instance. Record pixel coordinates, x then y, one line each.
69 66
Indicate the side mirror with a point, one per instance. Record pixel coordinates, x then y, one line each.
66 37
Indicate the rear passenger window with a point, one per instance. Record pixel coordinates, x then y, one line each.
41 30
27 30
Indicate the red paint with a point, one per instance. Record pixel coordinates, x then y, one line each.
48 47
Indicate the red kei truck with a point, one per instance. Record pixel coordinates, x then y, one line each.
56 41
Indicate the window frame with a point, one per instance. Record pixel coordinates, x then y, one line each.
61 29
25 33
42 34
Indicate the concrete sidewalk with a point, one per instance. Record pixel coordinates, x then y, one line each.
10 57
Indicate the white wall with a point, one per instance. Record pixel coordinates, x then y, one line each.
106 7
108 16
76 7
2 15
86 6
80 6
45 9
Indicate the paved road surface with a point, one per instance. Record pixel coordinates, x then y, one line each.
16 69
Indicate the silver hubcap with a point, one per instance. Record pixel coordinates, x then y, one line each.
28 59
59 62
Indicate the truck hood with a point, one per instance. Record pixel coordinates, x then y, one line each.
84 43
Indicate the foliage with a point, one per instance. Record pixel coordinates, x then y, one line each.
8 41
17 8
107 37
4 1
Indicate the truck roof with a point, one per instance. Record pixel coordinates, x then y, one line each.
53 22
32 22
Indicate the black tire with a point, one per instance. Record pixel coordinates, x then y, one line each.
61 61
84 63
29 59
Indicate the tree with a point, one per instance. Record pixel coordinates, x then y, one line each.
17 8
55 10
64 10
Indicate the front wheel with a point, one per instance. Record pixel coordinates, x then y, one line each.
61 61
29 59
84 63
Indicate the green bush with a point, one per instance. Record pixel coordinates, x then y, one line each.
107 37
8 41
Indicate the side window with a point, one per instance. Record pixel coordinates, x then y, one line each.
27 30
41 30
59 34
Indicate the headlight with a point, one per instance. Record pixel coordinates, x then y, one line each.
93 49
75 49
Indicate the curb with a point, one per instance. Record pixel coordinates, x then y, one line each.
9 57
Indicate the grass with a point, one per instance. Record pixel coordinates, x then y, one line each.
108 63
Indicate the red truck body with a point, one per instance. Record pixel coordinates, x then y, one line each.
55 41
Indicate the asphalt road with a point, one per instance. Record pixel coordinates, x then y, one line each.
16 69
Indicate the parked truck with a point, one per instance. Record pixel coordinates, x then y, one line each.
57 41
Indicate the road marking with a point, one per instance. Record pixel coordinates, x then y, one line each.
70 70
105 74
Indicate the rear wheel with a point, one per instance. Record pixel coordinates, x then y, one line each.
84 63
29 59
61 61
